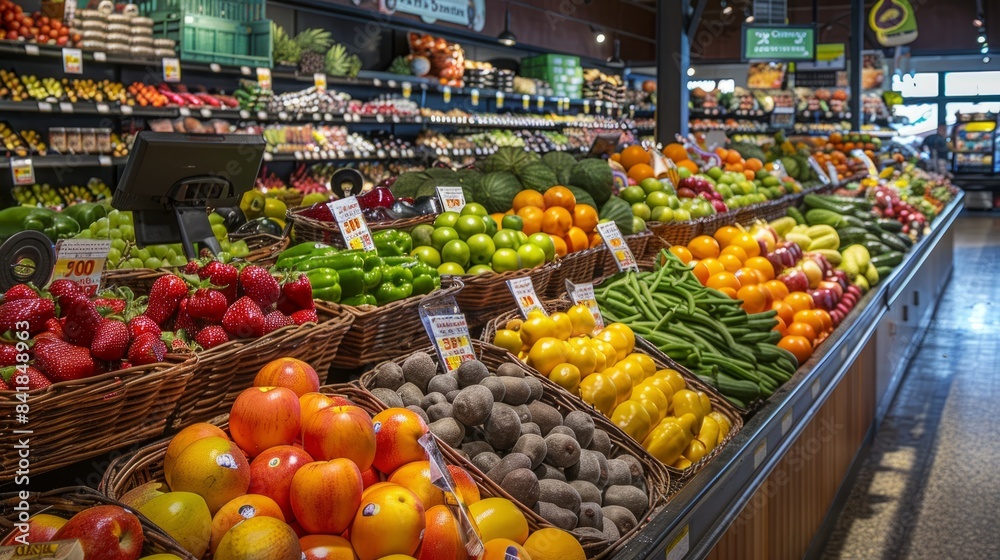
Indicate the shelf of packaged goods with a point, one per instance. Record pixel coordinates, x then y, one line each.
985 152
408 154
823 116
70 161
85 108
699 515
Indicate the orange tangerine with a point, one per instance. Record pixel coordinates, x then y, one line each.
584 217
532 218
689 165
785 311
747 276
736 251
640 171
810 318
634 155
754 300
559 196
731 263
528 197
761 265
778 289
557 221
725 234
753 164
576 240
780 327
682 253
734 157
799 301
675 151
595 240
802 329
561 248
800 346
731 293
824 318
706 268
723 280
704 247
747 243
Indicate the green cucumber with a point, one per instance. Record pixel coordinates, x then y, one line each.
883 271
890 225
852 221
822 216
877 248
905 239
860 203
890 259
851 235
795 214
740 389
893 242
817 202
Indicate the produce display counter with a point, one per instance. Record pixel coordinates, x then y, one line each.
769 492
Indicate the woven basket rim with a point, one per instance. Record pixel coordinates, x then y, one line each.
178 363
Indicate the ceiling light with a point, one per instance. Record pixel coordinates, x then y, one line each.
599 34
984 49
981 39
600 37
749 19
726 8
506 37
986 59
690 71
978 22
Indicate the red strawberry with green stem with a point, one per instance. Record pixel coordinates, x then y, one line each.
26 315
275 320
212 336
225 277
184 320
146 349
143 324
164 297
110 341
258 284
244 319
9 352
35 378
54 327
305 316
296 294
62 361
80 319
20 291
207 304
63 288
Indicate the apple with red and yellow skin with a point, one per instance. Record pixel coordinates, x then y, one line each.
464 484
371 476
240 509
397 433
340 432
389 506
105 533
41 528
264 417
325 495
271 474
138 496
294 374
326 547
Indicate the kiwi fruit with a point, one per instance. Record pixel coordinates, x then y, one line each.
559 493
591 515
388 397
536 387
506 465
582 425
503 428
523 413
622 518
411 394
419 369
530 428
510 370
611 532
588 532
635 469
533 446
419 412
388 375
516 391
438 411
619 473
449 430
602 465
473 405
628 497
588 492
471 373
600 442
450 395
563 430
443 384
496 387
545 416
561 518
474 448
522 485
431 399
486 460
561 450
586 469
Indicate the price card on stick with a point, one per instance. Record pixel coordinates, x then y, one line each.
832 172
615 243
583 294
474 97
446 94
526 102
72 61
171 70
319 80
407 90
449 332
524 294
441 477
872 170
264 78
823 178
452 198
500 98
22 171
347 213
81 260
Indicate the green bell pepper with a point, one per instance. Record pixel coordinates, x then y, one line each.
363 299
338 261
426 278
397 284
51 223
86 213
392 243
352 282
373 278
290 256
325 284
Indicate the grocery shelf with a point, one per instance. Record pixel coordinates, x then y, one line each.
419 152
56 161
696 517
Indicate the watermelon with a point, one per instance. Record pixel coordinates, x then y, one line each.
509 158
561 163
593 176
619 212
537 177
406 184
497 191
582 196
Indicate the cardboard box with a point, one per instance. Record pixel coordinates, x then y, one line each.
56 550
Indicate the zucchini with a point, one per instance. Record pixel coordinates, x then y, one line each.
795 214
894 242
853 221
883 271
740 389
857 202
905 239
851 235
871 238
890 259
890 225
822 216
877 248
817 202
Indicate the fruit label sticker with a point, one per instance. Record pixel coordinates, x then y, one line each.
72 61
823 178
446 94
615 243
171 70
500 98
872 170
264 78
352 223
452 198
474 97
82 261
583 294
524 294
31 50
441 477
407 90
23 171
319 80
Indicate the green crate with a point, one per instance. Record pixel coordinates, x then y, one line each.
233 10
210 39
551 60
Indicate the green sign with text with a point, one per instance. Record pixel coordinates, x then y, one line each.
779 43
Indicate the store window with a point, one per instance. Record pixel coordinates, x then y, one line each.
972 83
923 84
922 118
952 108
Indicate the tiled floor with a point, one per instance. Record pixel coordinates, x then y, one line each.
929 489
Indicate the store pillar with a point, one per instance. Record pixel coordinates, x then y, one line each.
672 61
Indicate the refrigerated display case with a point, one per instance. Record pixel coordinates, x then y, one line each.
975 143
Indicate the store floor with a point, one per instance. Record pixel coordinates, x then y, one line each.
929 488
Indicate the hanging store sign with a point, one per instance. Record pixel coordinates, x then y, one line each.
777 43
471 14
893 22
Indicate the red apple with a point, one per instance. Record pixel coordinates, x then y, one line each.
105 533
39 528
795 280
271 474
264 417
340 432
833 287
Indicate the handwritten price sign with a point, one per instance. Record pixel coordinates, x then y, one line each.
82 260
615 243
352 224
524 294
452 198
450 334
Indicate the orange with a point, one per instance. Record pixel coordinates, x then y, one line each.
785 311
780 327
737 167
799 301
595 240
734 250
753 164
675 151
777 288
747 276
747 243
690 165
761 265
616 158
634 155
214 468
557 221
754 300
802 329
809 317
734 157
723 280
799 346
559 196
561 247
441 537
641 171
682 253
532 218
584 217
528 197
824 319
498 217
704 247
750 175
504 549
184 438
576 239
731 263
730 293
725 234
705 268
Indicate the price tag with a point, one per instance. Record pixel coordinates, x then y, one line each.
446 94
823 178
262 115
22 171
441 477
31 50
598 103
450 335
184 112
244 114
104 161
680 545
264 78
583 294
317 117
319 80
377 82
872 170
171 70
407 89
215 67
586 106
72 61
126 110
66 107
347 213
831 171
526 102
81 260
524 294
452 198
391 83
100 57
540 102
760 454
283 116
103 108
615 243
500 98
474 97
786 423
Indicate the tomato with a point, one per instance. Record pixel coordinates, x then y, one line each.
799 346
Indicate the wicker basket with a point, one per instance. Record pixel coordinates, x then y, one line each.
264 248
225 371
310 229
577 267
486 295
666 234
657 477
378 333
67 502
75 420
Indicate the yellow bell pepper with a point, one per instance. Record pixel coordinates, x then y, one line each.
633 419
709 434
695 451
666 442
724 425
688 402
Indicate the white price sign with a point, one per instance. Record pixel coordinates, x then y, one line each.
500 98
81 260
474 97
526 102
452 198
583 294
407 90
615 243
23 171
872 170
450 334
319 80
831 171
446 94
72 61
586 106
171 70
264 78
352 223
524 294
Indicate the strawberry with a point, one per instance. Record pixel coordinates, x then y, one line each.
54 326
296 294
184 320
258 284
146 349
3 384
80 319
62 361
110 340
142 324
212 336
164 296
305 316
20 291
26 315
225 277
176 342
8 352
275 320
244 319
32 378
207 304
62 288
192 267
110 306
